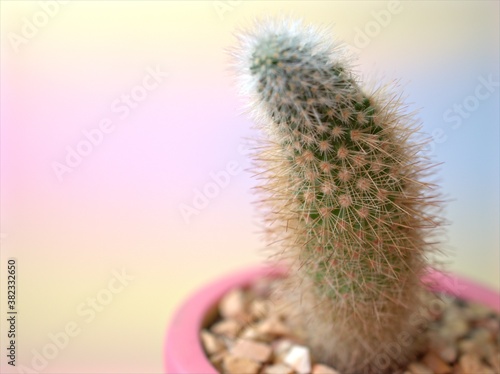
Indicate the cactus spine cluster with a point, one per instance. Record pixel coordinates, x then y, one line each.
343 191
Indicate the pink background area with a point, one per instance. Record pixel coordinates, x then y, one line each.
120 208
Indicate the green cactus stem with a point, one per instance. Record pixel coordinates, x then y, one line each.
344 196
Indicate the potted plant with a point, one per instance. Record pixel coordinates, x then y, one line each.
349 205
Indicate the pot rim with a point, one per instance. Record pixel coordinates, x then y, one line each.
184 354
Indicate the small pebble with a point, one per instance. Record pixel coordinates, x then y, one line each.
273 326
448 354
299 359
419 368
456 328
444 348
471 364
240 365
481 334
476 312
218 359
251 333
260 308
323 369
436 364
494 360
479 343
491 324
278 369
281 348
232 305
253 350
211 343
466 346
227 327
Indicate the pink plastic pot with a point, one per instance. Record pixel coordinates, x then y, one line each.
184 353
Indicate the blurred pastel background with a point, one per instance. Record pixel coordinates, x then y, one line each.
127 205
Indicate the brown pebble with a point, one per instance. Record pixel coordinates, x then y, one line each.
281 348
471 363
227 327
419 368
232 305
447 350
466 346
479 343
218 359
211 343
253 350
273 326
278 369
448 354
494 360
436 364
491 324
260 308
476 311
481 334
240 365
250 333
455 329
323 369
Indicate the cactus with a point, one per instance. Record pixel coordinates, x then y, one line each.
346 196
